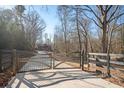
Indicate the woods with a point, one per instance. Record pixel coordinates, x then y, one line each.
80 29
20 29
91 28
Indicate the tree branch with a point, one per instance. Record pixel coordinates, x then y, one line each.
112 14
93 21
108 8
116 17
94 13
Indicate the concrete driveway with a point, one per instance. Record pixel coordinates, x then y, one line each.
59 78
68 77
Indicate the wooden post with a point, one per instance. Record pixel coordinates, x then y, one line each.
88 61
97 71
0 61
98 65
83 60
108 66
17 63
52 61
14 61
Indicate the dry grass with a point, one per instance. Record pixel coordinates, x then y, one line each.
5 77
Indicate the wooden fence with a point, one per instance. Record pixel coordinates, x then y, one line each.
108 64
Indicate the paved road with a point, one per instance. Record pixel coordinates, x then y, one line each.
58 78
40 61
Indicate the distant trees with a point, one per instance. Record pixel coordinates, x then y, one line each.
18 29
103 16
34 27
77 29
6 25
92 28
63 14
76 17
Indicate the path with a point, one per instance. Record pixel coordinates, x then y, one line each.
38 62
58 78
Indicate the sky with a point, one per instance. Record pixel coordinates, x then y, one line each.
47 13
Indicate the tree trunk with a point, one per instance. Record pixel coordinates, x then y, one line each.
86 46
104 49
79 37
90 44
104 36
122 39
66 50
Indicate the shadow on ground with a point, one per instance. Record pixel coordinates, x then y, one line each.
39 79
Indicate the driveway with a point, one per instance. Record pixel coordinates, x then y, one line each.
57 78
41 60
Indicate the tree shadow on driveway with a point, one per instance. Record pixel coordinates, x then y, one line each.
39 79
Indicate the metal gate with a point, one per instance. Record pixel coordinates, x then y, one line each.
41 61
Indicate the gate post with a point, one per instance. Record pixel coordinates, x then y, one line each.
52 61
88 61
108 65
17 62
0 61
80 53
82 60
14 61
98 65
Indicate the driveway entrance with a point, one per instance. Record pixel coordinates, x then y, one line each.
45 76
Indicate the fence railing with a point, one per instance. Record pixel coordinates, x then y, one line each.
102 60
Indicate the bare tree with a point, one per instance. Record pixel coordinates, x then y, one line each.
63 16
34 26
104 15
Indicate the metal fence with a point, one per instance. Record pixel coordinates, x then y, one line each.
5 59
22 61
11 58
38 62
